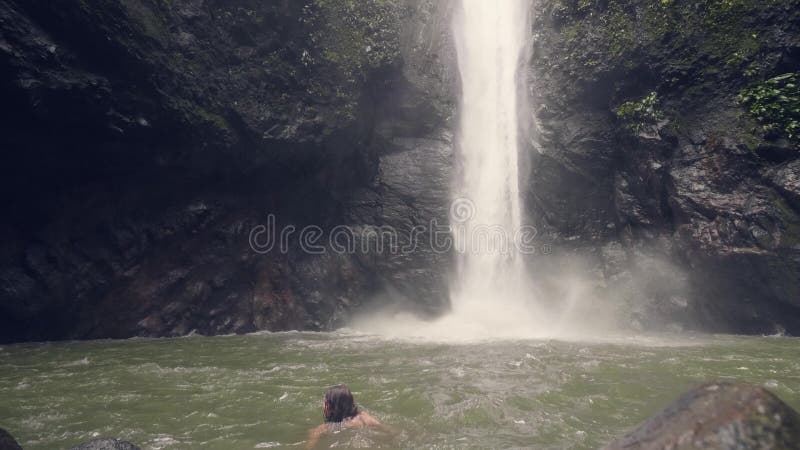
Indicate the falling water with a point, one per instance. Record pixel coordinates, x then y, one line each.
490 287
492 295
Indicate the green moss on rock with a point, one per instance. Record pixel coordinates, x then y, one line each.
638 114
349 40
195 114
148 17
790 223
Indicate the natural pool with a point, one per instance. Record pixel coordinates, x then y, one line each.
265 390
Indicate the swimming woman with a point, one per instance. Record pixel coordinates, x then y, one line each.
339 410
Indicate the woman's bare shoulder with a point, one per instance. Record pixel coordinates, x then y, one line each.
361 420
368 420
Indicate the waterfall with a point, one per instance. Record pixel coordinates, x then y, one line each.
490 286
491 294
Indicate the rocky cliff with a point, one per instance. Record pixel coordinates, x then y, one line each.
665 156
143 141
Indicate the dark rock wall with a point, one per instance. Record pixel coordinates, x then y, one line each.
648 164
143 140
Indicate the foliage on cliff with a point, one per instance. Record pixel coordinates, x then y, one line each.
776 104
617 51
732 36
636 115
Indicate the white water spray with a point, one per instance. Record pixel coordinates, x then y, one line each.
490 290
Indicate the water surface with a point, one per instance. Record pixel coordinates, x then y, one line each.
265 390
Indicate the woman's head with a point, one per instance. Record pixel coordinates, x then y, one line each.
339 404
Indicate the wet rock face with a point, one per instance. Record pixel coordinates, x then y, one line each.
641 143
719 416
144 140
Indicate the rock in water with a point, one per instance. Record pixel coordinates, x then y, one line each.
7 442
106 444
719 416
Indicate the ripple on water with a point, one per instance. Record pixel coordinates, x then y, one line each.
80 362
179 370
162 441
41 421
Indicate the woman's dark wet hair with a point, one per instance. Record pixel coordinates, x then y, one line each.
339 404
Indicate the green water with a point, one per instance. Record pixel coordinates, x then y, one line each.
264 391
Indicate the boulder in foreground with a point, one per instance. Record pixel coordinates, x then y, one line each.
719 416
7 442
